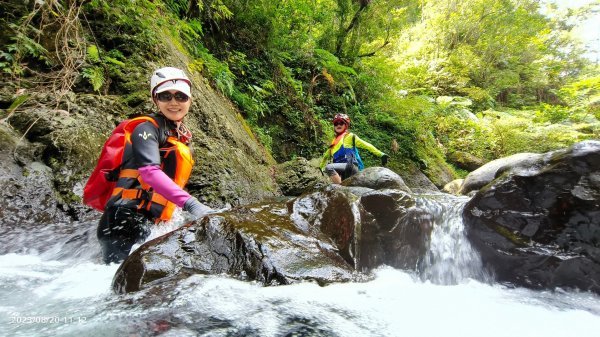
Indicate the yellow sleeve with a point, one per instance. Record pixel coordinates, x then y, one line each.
325 159
361 144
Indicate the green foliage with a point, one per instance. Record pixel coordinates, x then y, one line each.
253 107
459 134
419 79
179 7
481 98
584 94
405 121
23 46
93 54
219 11
216 70
99 65
503 51
329 61
126 26
264 137
551 113
512 134
95 75
220 73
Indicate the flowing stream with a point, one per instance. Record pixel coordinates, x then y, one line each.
53 284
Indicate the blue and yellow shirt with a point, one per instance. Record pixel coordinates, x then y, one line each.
336 150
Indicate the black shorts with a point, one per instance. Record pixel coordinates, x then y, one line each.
119 229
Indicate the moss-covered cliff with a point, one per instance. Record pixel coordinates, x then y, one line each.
67 119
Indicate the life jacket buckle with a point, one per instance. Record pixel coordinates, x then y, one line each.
145 195
111 175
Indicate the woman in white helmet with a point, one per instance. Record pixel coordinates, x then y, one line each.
156 166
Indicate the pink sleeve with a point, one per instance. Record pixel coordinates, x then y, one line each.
163 185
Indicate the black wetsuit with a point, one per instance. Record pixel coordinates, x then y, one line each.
123 224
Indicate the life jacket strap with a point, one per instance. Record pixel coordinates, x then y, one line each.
134 174
129 173
134 193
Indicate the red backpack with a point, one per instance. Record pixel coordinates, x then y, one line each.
101 183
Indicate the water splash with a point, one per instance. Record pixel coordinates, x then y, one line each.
450 259
178 219
44 293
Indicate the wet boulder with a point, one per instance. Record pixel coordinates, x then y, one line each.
453 187
257 242
377 178
538 225
465 160
393 231
369 227
336 234
417 181
299 176
488 172
27 198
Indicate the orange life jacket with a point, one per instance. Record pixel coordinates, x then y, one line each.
102 181
336 140
176 162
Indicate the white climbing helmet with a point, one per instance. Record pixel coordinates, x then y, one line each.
169 78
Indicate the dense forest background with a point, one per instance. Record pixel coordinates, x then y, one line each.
436 84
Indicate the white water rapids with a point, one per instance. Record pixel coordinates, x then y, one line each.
51 293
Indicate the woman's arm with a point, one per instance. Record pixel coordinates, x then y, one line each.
163 185
365 145
325 159
146 153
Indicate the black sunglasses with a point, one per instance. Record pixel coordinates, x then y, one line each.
338 123
166 96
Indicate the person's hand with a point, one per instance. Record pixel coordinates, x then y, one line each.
196 208
384 159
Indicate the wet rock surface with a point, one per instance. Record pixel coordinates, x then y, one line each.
377 178
488 172
417 181
28 201
299 176
538 224
336 234
465 160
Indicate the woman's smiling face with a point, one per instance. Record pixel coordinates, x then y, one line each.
174 108
339 127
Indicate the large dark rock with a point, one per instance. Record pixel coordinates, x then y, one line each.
369 227
538 225
27 199
377 178
326 236
394 231
416 180
299 176
488 172
256 243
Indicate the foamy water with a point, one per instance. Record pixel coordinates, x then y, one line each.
50 294
76 300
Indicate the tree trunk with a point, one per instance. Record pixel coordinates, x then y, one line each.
353 23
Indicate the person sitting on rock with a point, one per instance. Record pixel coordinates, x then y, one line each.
156 165
342 160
